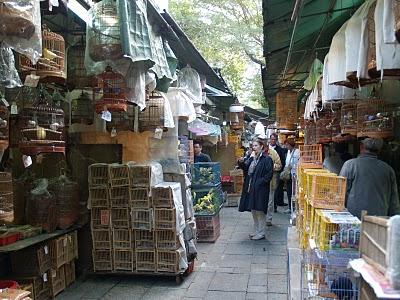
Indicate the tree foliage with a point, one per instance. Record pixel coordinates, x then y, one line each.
228 33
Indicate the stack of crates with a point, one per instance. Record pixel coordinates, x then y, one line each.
63 252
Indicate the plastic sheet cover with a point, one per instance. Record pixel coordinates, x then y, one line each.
157 175
393 253
189 80
21 27
315 73
136 84
181 104
201 128
9 77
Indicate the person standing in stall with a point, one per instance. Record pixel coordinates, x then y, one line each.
278 195
198 155
255 193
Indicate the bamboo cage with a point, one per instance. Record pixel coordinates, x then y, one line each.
286 109
153 116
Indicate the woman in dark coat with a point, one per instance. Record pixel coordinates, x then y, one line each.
255 192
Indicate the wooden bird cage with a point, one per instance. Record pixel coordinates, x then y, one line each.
324 127
17 20
375 119
110 92
122 121
77 76
286 109
82 109
348 119
310 133
104 32
153 116
51 64
4 127
41 129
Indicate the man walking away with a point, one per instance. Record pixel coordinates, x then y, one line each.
371 183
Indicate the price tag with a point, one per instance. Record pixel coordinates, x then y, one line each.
46 250
158 133
14 109
113 132
106 116
5 102
27 160
31 80
104 217
45 277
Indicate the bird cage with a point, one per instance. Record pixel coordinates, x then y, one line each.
4 127
348 119
41 128
310 133
335 124
110 92
236 116
153 116
104 32
286 109
17 19
375 119
324 127
77 77
82 109
51 64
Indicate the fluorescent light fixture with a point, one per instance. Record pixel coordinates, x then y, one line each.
79 10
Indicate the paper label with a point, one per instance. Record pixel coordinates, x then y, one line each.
27 160
45 277
113 132
106 116
14 109
158 133
31 80
46 250
104 217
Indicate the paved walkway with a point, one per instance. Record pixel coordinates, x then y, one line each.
232 268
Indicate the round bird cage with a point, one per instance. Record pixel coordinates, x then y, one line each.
41 129
82 109
104 32
4 127
375 119
77 77
236 116
51 65
110 92
153 116
17 20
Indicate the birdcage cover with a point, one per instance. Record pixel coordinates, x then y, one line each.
189 79
8 73
136 83
20 27
181 104
337 57
316 70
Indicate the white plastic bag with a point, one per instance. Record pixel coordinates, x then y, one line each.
189 80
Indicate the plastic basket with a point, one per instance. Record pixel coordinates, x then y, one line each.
124 260
140 198
206 174
167 261
216 195
145 240
120 217
119 196
142 219
102 239
328 191
122 238
208 228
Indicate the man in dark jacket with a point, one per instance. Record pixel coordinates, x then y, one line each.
278 197
371 183
198 155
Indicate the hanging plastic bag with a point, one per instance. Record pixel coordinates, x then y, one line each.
9 77
20 27
189 79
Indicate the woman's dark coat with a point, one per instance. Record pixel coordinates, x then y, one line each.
258 196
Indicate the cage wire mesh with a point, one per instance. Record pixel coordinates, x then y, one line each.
325 275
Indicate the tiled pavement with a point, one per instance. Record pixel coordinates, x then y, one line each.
232 268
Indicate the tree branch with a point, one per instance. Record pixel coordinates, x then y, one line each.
253 58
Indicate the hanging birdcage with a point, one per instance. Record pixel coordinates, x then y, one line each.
324 127
17 19
286 109
104 32
77 77
41 128
4 127
375 119
51 64
348 122
310 133
82 109
153 116
110 92
122 121
236 115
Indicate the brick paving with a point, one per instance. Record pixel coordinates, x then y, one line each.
232 268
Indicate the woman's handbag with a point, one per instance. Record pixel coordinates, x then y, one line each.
286 174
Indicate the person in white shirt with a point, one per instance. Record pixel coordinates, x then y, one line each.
291 161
